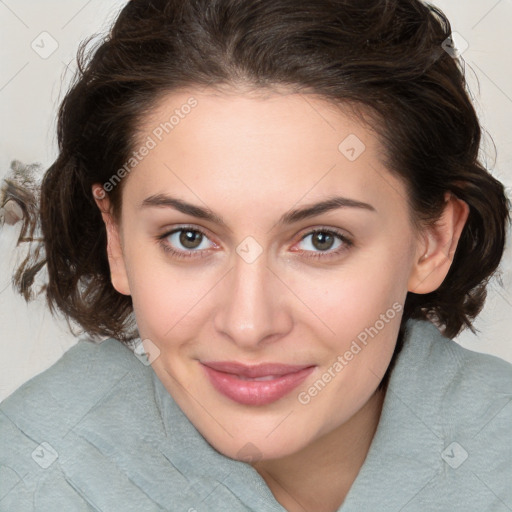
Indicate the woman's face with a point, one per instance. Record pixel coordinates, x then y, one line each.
226 272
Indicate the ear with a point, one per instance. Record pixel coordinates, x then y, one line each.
437 247
118 274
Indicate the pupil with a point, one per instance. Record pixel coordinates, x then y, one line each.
325 240
190 238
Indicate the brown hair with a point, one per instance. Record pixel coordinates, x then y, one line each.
387 57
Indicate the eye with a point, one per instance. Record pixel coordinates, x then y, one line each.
185 242
325 243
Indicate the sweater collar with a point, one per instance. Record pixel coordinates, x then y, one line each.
408 436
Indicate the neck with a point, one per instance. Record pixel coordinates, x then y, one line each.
319 476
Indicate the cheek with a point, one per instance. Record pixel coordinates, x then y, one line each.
353 297
360 309
167 300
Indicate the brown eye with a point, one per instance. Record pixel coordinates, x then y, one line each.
190 239
322 241
186 242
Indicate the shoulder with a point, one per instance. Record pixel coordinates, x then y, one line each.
71 384
445 430
462 370
464 398
444 376
57 428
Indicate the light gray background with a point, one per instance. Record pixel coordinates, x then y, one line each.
31 88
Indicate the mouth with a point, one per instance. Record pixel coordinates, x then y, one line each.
256 384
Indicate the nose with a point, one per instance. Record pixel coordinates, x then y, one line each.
252 305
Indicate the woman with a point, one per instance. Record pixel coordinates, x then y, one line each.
276 203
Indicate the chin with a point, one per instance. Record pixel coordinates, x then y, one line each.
260 445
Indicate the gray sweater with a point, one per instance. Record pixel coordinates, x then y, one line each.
99 432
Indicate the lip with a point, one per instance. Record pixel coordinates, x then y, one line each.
238 381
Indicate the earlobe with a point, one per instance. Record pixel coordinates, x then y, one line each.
115 254
437 248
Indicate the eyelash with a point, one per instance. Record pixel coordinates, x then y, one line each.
346 244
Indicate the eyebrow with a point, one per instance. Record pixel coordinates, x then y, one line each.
290 217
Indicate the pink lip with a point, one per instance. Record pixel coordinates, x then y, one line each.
236 381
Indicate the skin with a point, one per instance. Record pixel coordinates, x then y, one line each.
249 158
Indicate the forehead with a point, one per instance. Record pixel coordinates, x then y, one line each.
257 116
269 146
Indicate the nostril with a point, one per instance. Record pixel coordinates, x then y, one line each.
11 213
